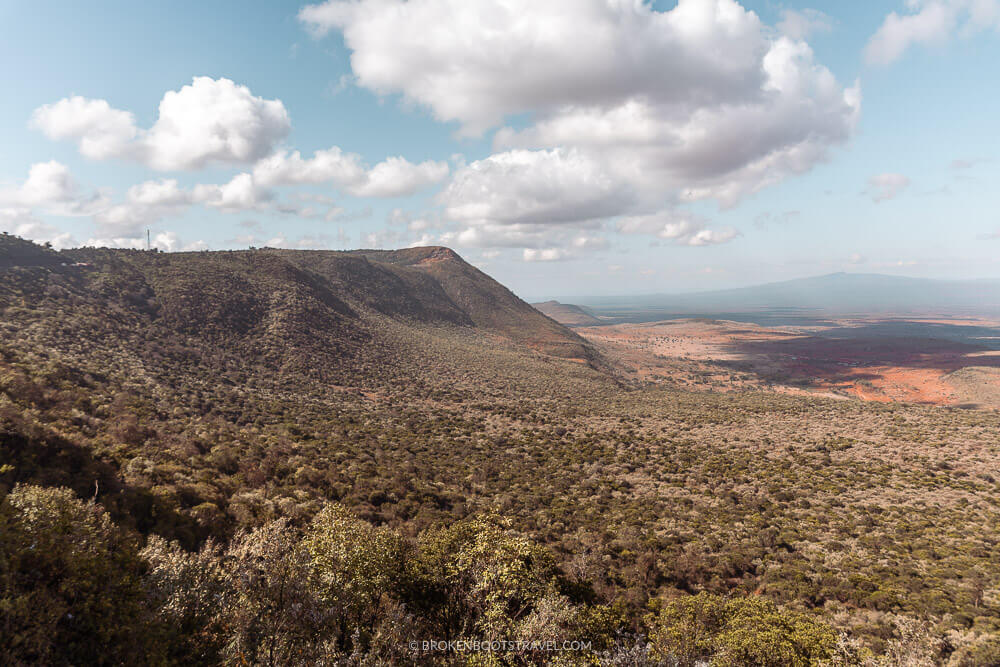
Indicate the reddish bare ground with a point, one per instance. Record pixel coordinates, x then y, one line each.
848 358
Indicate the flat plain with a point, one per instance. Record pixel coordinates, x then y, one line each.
931 360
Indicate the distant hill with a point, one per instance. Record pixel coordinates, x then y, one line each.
566 313
833 294
283 305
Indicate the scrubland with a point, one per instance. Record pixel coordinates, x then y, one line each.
233 458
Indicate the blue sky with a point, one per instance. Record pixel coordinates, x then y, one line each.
894 177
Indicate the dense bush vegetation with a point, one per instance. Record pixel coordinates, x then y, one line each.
263 464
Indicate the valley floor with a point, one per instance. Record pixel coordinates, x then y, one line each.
930 361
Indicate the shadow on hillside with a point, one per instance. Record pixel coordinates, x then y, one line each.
842 354
33 456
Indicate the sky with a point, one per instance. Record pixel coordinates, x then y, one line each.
566 147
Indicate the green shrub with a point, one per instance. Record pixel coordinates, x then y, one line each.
70 582
740 631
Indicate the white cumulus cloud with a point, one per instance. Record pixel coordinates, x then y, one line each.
621 109
801 23
680 227
51 188
208 121
544 254
394 177
165 241
239 194
326 166
397 177
101 131
476 61
535 187
21 222
930 22
145 204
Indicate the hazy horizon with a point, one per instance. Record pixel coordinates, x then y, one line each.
582 297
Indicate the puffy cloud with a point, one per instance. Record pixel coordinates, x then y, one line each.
800 24
47 183
399 217
493 235
11 217
326 166
21 222
239 194
159 193
571 249
476 61
208 121
385 238
702 101
124 219
100 130
537 199
132 243
930 22
393 177
51 188
710 237
305 242
707 152
544 254
396 177
423 241
678 226
151 201
217 121
214 121
145 204
538 242
165 241
535 187
883 187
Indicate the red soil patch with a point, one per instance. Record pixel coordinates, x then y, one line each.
851 358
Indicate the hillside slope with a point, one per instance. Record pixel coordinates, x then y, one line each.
278 303
567 313
488 304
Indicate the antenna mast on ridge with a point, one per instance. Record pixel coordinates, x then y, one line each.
148 245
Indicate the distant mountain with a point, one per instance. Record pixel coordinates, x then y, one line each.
566 313
833 294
